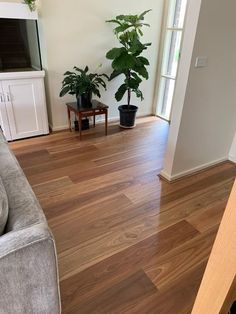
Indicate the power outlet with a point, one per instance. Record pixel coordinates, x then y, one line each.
201 62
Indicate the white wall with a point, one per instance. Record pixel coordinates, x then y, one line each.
191 22
208 120
75 33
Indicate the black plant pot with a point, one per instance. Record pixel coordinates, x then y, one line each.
85 124
127 116
85 100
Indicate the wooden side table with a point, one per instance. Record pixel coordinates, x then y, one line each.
96 109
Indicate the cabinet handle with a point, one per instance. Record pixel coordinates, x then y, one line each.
1 97
8 96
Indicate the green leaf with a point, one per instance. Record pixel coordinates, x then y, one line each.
136 47
97 93
78 70
132 83
64 91
114 53
138 93
122 28
31 4
120 17
135 75
140 32
113 21
105 75
124 62
143 60
114 74
101 82
141 16
121 91
141 70
69 73
92 76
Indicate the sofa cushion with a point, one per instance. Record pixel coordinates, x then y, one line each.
3 207
24 208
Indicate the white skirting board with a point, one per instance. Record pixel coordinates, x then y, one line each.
232 152
65 127
58 128
232 158
192 170
101 120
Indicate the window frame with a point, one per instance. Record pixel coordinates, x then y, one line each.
165 29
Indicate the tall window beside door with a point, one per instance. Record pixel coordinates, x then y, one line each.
171 54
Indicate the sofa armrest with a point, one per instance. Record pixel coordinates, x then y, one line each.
28 272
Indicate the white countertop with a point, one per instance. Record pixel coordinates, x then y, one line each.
21 75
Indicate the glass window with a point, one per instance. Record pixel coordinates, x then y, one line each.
166 96
177 13
171 56
171 53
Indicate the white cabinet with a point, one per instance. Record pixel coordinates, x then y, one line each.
3 117
23 107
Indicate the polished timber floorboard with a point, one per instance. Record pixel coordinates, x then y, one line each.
127 241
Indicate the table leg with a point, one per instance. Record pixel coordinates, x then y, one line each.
106 118
94 120
80 125
69 121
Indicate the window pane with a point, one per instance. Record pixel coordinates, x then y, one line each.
177 11
167 88
171 53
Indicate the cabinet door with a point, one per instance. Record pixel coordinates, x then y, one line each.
3 116
25 105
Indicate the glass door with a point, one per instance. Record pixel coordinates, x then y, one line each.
171 55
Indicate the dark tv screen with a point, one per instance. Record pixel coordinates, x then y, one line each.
19 45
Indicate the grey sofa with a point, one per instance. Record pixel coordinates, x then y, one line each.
28 262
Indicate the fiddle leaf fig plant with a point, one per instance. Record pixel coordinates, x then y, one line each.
31 4
127 59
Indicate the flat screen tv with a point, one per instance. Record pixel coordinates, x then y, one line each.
19 45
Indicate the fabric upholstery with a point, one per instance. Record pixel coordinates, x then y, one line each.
24 209
28 262
2 137
28 276
3 207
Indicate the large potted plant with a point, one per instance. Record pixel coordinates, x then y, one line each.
127 60
83 85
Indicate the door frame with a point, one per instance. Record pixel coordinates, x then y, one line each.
189 35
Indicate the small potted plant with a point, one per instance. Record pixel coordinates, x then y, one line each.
83 85
31 4
127 60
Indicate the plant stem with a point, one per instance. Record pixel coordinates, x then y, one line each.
129 90
129 97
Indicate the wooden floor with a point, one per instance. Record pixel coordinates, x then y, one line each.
127 241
